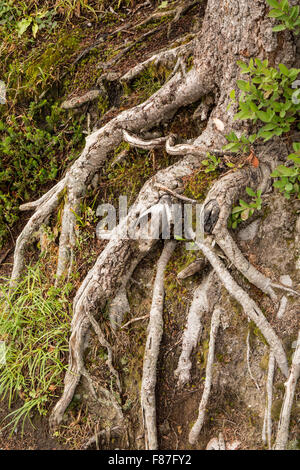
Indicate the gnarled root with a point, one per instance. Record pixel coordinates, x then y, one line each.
120 256
192 332
217 208
215 322
155 331
179 91
250 308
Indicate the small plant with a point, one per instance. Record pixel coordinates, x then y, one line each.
244 210
267 97
38 21
239 144
211 163
288 181
31 156
286 14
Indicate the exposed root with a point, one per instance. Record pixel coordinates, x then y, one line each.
190 149
218 443
133 320
47 204
160 107
155 331
217 208
143 144
250 308
267 426
117 309
165 58
290 388
191 269
193 329
195 431
120 256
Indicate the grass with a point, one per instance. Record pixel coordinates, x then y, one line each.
34 324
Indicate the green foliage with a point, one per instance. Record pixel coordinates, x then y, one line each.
20 18
41 20
245 210
267 97
34 324
288 181
287 15
240 144
211 163
31 156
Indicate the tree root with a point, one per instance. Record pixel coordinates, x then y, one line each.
195 431
155 331
165 57
290 388
160 107
120 256
192 332
267 426
250 308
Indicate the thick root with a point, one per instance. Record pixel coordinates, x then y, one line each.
195 431
250 308
155 331
160 107
110 272
192 332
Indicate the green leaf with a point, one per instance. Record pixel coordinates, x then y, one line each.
35 29
243 85
284 70
280 27
246 214
237 210
275 14
163 4
296 146
250 192
264 116
289 187
274 4
23 25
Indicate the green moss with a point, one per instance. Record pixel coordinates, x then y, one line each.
264 362
256 332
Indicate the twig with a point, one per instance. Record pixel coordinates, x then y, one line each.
178 196
134 320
